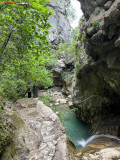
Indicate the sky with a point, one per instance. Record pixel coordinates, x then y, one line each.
77 7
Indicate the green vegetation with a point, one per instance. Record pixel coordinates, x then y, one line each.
69 48
67 77
72 48
77 68
10 124
83 37
66 48
75 33
46 99
24 48
5 138
80 22
65 73
96 25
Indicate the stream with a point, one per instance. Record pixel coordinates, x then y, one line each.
75 129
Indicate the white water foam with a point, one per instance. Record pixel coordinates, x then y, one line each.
84 142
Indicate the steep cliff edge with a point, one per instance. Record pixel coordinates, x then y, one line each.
97 86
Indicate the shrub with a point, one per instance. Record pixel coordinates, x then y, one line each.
96 25
12 89
83 37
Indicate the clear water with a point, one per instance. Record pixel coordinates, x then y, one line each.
75 129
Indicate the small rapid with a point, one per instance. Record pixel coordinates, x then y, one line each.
84 142
78 131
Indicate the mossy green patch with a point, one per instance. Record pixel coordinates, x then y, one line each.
17 122
10 123
5 137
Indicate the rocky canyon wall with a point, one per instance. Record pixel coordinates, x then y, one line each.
60 33
97 87
61 29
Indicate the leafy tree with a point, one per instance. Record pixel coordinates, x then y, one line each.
24 48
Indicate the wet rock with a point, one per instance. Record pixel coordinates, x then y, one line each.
100 149
69 96
56 104
61 101
70 104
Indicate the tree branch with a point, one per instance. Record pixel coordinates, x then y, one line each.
6 41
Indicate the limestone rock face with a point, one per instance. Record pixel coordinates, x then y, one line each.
97 85
61 29
36 132
59 33
65 65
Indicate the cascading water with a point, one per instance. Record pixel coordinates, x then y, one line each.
76 130
83 142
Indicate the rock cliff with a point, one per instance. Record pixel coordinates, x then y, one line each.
97 86
59 33
61 29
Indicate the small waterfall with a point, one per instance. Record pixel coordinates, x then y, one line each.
83 142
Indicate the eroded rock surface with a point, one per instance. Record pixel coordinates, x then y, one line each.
46 139
97 87
34 132
61 29
100 149
60 33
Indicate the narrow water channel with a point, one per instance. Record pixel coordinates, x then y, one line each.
75 129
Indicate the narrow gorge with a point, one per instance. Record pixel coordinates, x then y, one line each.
73 75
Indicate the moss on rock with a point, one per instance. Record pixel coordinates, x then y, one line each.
10 123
